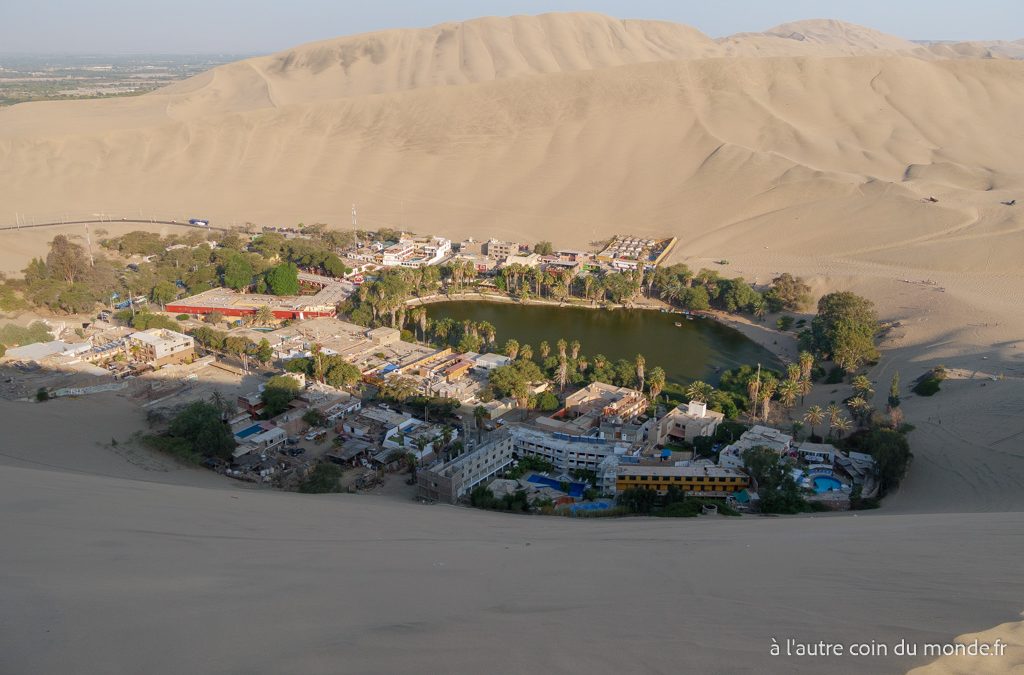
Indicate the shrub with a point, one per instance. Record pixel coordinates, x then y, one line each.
322 479
928 384
42 394
835 376
182 317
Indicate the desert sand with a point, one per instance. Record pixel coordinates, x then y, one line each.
810 148
115 566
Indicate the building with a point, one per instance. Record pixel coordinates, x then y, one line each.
629 253
528 260
564 451
686 424
454 480
616 412
707 481
416 253
416 436
159 346
251 403
234 304
490 361
501 249
40 351
756 437
265 441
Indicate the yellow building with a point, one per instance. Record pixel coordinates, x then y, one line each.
701 480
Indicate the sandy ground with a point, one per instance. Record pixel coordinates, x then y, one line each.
255 581
566 128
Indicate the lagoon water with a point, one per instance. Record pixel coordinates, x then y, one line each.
697 349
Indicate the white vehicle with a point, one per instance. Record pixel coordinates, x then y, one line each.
313 433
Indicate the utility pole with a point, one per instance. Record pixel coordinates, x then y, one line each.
88 245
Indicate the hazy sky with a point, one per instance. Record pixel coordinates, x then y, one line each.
253 26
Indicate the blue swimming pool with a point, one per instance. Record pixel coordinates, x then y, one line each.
575 489
249 431
590 506
826 484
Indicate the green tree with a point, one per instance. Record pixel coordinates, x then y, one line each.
323 479
547 402
66 260
776 486
283 279
340 374
163 292
238 272
264 352
543 248
201 425
479 415
814 416
279 391
788 293
699 391
845 329
656 382
314 418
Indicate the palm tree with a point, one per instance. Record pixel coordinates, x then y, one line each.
754 391
788 391
562 344
640 363
574 349
479 415
699 391
842 425
805 388
264 315
512 349
814 416
768 389
563 373
526 352
421 317
862 385
834 413
806 360
792 371
545 349
656 382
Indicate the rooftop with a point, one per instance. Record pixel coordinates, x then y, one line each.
669 470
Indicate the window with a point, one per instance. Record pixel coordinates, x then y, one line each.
678 479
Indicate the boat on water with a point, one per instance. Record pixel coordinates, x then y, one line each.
679 323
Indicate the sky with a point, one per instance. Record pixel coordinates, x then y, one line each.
262 26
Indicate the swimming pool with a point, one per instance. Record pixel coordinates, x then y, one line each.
575 489
590 506
249 431
826 484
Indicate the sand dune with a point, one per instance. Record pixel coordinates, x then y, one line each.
170 578
573 127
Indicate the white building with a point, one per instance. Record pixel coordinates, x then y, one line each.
451 481
408 435
688 423
564 451
159 346
756 437
490 361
